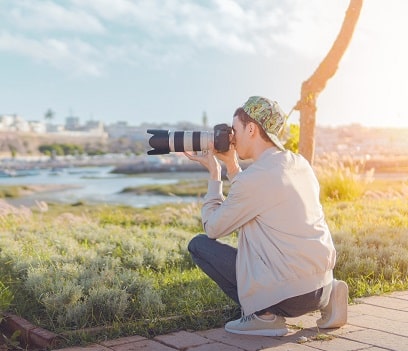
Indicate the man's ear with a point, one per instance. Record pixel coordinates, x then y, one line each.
251 127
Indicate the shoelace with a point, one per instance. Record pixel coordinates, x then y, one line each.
248 318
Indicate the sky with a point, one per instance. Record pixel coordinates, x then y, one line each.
168 61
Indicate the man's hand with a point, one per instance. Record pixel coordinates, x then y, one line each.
208 160
230 160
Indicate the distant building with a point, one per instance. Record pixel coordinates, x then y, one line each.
73 127
121 129
118 129
37 127
94 127
13 123
54 128
5 122
72 123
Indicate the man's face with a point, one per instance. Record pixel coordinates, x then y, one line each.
240 139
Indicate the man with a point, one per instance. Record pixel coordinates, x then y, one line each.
283 266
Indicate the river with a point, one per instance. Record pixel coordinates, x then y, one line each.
96 185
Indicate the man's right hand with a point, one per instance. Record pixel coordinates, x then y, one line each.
208 160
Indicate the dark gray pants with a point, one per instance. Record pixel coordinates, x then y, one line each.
217 260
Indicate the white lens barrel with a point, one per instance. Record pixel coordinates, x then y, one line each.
188 141
180 141
171 141
205 139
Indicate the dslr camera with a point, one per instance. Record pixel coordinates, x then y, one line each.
165 141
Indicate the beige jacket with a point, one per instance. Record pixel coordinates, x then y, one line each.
285 248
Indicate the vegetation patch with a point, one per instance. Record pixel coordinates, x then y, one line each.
96 272
192 187
12 191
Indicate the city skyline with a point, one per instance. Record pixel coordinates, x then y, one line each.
139 61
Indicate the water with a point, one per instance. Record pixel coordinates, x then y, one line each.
96 185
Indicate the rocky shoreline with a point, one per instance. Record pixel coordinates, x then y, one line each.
393 166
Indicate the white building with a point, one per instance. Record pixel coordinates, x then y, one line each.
13 123
37 127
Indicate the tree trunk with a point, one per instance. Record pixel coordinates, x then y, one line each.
312 87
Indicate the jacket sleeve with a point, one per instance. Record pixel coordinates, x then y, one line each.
221 216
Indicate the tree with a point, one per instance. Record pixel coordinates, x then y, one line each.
312 87
49 115
205 120
292 141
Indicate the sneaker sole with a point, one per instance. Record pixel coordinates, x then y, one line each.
340 294
261 332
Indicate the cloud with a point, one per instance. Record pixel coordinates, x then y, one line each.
72 55
47 15
89 35
311 26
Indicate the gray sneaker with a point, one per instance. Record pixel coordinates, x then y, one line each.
334 315
253 325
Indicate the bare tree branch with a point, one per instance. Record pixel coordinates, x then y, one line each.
312 87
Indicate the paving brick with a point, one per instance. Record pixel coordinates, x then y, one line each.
387 301
380 339
377 323
42 338
290 347
121 341
18 322
381 312
214 347
348 328
381 324
400 295
142 345
294 336
288 342
14 323
338 344
182 340
305 321
93 347
30 334
245 342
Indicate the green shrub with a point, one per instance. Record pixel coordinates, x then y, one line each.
72 267
61 149
6 297
292 139
371 239
342 179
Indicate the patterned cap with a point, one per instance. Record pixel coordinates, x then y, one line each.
269 115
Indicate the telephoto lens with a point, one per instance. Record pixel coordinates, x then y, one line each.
165 141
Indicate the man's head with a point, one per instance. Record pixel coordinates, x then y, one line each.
267 115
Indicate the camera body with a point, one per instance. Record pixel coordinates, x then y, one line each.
165 141
222 137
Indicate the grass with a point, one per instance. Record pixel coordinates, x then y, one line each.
371 238
12 191
92 272
79 267
192 187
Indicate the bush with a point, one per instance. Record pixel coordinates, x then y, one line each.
6 297
292 139
74 271
342 179
76 267
61 149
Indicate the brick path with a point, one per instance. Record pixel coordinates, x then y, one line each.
374 323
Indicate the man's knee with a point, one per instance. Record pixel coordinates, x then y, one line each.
196 242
